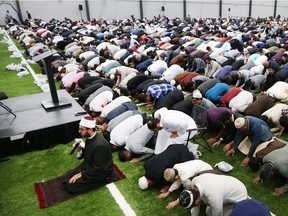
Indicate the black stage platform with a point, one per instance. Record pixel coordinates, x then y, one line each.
34 127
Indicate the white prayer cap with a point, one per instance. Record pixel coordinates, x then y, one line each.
169 174
173 82
143 183
224 166
112 76
196 94
60 68
88 122
239 122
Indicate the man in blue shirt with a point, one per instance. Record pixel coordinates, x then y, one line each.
250 207
257 131
155 93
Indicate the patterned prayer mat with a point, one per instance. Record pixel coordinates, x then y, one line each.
52 192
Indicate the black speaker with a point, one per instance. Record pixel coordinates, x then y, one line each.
163 8
229 9
80 7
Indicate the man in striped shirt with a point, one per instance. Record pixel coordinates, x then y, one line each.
155 93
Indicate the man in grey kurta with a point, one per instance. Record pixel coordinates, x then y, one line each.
276 162
136 145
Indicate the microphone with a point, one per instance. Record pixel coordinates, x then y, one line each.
75 147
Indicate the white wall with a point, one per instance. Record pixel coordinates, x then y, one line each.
263 8
237 8
204 8
154 8
57 9
109 9
282 8
123 9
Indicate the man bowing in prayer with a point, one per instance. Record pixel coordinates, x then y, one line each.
98 163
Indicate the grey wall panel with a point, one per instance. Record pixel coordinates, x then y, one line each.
109 9
203 8
56 9
263 8
171 8
282 8
123 9
237 8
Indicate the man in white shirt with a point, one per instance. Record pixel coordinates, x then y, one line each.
179 173
157 68
123 130
172 126
109 107
136 145
172 72
218 192
100 101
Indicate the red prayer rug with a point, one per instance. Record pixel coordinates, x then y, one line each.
52 192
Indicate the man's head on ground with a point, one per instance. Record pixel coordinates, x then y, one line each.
190 86
284 121
124 91
248 85
226 117
266 171
265 64
125 155
271 70
144 98
189 198
264 118
196 97
208 60
94 114
100 120
255 163
144 183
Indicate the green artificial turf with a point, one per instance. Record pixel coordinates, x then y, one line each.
18 197
10 83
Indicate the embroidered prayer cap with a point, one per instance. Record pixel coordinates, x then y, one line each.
186 199
169 174
239 122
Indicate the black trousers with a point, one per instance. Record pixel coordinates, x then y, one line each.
80 185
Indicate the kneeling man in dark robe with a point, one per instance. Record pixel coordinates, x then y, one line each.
97 165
